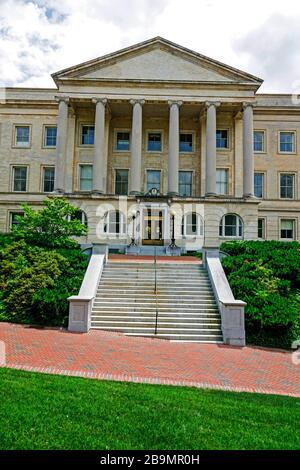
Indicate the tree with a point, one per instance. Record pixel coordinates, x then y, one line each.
53 226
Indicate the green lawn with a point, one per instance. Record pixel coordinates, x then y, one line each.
39 411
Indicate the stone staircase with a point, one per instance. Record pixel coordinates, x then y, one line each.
187 311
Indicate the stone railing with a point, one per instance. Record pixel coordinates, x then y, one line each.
80 306
231 310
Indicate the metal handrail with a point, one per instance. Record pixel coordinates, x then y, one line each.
155 292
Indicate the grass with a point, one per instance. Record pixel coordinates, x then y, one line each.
40 411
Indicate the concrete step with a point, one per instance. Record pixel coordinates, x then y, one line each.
163 330
152 302
152 299
207 320
203 316
161 324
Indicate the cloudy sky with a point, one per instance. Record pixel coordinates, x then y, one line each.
38 37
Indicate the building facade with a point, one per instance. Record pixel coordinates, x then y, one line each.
155 142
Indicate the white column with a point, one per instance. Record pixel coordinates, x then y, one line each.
136 146
99 166
173 156
61 144
211 151
248 156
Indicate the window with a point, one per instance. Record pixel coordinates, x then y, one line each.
115 223
121 182
261 228
222 139
87 135
186 143
153 180
222 182
287 186
231 226
287 142
14 218
259 141
50 136
123 141
185 183
154 142
287 228
86 178
20 178
22 136
259 185
48 179
192 225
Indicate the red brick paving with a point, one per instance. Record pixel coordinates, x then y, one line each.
112 356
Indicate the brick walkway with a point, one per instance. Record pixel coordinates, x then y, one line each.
112 356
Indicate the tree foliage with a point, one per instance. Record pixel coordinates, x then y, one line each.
52 226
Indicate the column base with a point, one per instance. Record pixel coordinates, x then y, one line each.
249 196
210 194
97 192
135 193
59 191
173 194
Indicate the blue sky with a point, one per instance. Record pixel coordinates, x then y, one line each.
38 37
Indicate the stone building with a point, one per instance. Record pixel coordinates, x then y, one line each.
155 142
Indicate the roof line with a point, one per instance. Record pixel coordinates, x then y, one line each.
154 40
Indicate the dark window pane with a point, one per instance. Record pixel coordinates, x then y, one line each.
153 179
258 185
186 143
185 183
154 142
20 178
50 140
121 183
49 174
87 137
122 141
287 186
222 139
258 141
22 135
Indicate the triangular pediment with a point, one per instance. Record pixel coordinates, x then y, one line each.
157 60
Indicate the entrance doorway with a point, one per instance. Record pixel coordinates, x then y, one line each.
153 227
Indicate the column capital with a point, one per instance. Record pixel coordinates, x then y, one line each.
250 104
177 103
133 102
65 99
216 104
99 100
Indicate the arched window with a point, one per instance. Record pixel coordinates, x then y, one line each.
192 225
231 226
115 223
81 216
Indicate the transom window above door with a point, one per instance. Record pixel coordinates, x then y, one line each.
222 141
87 135
185 142
122 141
154 143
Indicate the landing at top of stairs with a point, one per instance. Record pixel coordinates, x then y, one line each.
150 259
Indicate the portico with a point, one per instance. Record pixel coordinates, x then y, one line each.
171 112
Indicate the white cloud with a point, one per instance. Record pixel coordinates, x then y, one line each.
38 37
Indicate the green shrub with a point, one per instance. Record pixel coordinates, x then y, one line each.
266 275
35 282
